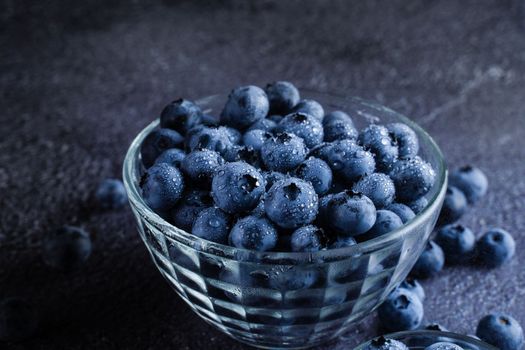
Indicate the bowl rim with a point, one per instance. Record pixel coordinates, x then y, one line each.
135 198
431 333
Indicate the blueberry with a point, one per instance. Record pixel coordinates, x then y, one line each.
454 206
349 213
378 187
342 242
265 124
180 115
212 224
339 126
501 330
200 166
215 139
172 156
413 178
406 139
259 209
111 194
283 96
245 106
377 139
347 160
382 343
162 187
401 311
272 177
458 243
444 346
67 248
255 138
495 248
294 278
188 208
307 239
414 286
303 125
283 152
418 205
310 107
253 233
243 153
471 181
157 142
317 172
209 120
234 135
404 212
386 221
430 262
291 203
237 187
435 327
18 320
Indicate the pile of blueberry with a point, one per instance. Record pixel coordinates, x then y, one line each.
499 330
275 173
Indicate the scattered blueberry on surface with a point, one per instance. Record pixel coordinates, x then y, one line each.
403 211
386 221
317 172
245 106
172 156
444 346
283 152
253 233
454 206
303 125
430 262
458 243
413 178
111 194
501 330
291 203
401 311
200 166
414 286
18 319
188 208
67 248
406 139
350 213
495 248
378 187
162 187
377 139
382 343
237 187
307 239
471 181
212 224
157 142
310 107
180 115
283 96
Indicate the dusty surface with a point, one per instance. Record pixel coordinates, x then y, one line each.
78 83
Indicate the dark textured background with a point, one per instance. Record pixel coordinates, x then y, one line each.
78 82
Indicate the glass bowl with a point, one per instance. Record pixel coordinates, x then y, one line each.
421 339
286 300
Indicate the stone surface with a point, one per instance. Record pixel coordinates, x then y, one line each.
77 83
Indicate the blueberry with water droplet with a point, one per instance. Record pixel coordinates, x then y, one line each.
212 138
317 172
265 124
413 178
255 138
173 157
245 105
283 96
403 211
406 139
157 142
386 221
348 160
254 233
283 152
310 107
377 139
162 187
308 238
378 187
189 206
350 213
180 115
291 203
238 188
272 177
303 125
444 346
200 166
338 125
418 205
212 224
